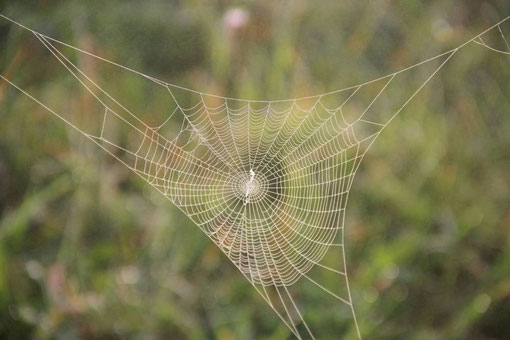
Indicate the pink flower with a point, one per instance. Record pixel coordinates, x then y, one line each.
235 18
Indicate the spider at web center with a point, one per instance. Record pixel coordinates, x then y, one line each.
250 187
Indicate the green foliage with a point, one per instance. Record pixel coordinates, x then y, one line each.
88 250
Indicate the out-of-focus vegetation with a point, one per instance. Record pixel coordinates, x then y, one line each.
89 250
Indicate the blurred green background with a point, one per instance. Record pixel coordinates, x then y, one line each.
87 250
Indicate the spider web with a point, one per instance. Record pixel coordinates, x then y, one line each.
267 181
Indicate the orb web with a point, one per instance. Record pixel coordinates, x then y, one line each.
267 181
